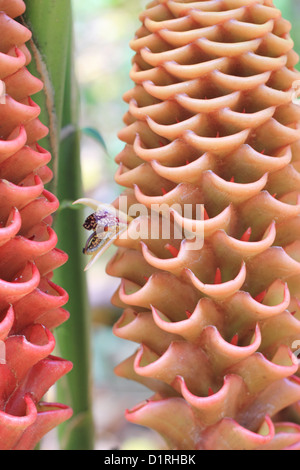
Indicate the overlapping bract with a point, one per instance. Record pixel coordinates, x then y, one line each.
212 120
30 303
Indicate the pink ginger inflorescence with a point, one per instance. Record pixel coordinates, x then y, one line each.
30 303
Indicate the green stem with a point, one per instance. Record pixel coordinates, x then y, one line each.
52 49
73 338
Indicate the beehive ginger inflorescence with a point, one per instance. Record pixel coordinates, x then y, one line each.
212 119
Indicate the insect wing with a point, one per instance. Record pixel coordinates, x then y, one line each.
103 243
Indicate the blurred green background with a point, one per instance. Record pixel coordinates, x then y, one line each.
103 29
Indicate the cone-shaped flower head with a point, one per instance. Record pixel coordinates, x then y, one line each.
30 303
213 121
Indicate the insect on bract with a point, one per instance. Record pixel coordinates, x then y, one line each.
106 223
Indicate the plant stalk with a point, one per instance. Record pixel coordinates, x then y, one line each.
52 50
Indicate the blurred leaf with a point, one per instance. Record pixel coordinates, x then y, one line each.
94 134
67 204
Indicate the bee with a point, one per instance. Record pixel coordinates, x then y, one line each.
106 224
